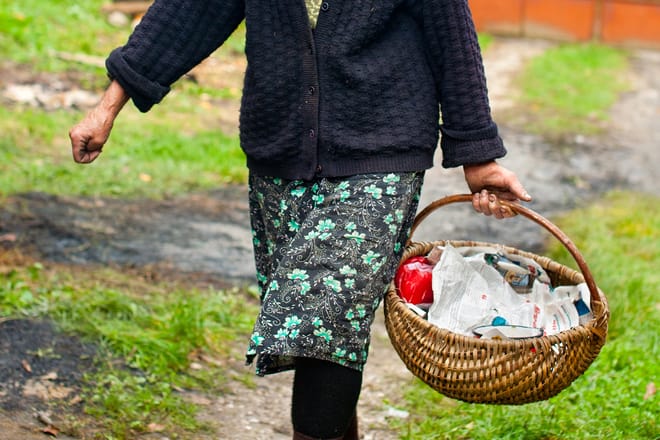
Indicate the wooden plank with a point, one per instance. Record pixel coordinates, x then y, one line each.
503 17
127 7
631 24
569 20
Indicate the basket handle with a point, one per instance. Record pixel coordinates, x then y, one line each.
540 220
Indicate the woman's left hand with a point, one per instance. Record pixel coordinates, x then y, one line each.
489 182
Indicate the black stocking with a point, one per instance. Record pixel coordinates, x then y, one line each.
325 395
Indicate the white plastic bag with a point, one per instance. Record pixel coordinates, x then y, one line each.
468 292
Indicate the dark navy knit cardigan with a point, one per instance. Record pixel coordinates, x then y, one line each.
360 93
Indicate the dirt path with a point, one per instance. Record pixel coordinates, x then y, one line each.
207 235
249 413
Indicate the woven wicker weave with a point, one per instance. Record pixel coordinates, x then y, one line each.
497 371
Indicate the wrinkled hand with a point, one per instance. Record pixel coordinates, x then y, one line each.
90 134
489 182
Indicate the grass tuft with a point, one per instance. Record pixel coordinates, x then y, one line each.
570 88
33 30
145 158
155 334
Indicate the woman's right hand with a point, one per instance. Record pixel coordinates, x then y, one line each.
90 134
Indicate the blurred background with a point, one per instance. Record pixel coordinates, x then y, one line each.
127 286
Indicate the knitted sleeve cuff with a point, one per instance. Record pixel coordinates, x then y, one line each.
470 147
144 92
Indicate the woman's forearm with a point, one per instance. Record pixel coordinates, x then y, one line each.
114 99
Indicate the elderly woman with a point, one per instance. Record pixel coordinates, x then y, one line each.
339 120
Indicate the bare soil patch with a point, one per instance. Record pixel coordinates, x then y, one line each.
41 370
41 364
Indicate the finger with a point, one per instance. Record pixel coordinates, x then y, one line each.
516 188
485 203
79 156
488 203
475 202
84 149
506 195
78 144
480 202
89 156
79 153
497 211
84 155
494 206
507 212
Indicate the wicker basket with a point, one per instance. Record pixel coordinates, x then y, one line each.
497 371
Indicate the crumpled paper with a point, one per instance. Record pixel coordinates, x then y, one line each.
477 286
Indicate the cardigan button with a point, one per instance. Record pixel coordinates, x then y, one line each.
325 6
311 90
312 133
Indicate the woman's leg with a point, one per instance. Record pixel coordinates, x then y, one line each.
325 395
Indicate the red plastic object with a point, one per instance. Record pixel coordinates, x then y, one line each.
413 280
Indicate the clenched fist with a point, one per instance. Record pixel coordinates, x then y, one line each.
90 134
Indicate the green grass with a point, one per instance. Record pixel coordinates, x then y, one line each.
620 239
145 156
153 332
32 30
570 88
177 147
485 40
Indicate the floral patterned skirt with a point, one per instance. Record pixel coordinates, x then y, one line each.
325 252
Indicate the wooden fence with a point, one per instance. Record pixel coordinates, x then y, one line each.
634 23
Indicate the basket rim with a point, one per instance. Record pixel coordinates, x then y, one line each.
597 326
515 208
